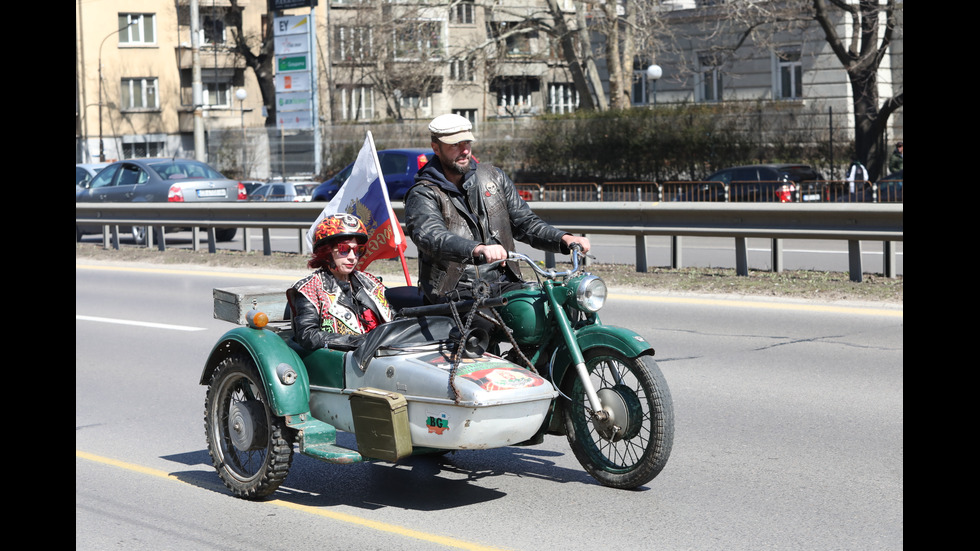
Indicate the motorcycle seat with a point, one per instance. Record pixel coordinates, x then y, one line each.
403 333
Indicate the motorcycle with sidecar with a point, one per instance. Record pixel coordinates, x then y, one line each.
433 381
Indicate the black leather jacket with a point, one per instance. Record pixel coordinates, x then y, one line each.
447 223
325 314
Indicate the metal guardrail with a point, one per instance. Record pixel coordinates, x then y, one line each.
851 222
823 191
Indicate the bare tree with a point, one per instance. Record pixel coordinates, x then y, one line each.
861 57
869 26
259 55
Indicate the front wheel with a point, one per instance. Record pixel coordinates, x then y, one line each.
251 449
634 446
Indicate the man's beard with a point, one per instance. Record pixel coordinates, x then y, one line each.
460 169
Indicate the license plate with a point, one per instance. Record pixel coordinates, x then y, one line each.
211 193
811 197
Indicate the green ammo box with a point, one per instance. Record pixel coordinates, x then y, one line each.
381 424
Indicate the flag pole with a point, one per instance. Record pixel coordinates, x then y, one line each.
408 279
392 219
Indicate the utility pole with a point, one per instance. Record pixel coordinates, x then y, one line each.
197 92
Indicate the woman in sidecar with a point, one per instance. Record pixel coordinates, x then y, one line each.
336 305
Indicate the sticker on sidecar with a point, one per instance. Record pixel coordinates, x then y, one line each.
437 422
489 373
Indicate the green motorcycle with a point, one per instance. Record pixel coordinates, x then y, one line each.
614 406
426 383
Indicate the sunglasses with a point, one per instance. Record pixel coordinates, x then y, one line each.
344 249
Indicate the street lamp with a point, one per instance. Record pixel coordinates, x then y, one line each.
241 94
121 29
654 72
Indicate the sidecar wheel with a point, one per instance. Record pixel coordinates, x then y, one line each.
635 391
251 449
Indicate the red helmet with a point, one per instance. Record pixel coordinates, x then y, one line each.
339 226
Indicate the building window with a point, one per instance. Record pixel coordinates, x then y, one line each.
562 98
141 32
418 40
514 96
139 94
217 94
640 94
790 73
353 43
710 75
213 28
357 103
461 69
413 101
515 36
462 12
142 147
468 114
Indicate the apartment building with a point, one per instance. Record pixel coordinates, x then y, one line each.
379 60
791 74
399 61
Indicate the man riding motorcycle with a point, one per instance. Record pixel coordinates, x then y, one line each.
459 210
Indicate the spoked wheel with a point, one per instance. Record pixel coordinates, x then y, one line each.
633 447
251 449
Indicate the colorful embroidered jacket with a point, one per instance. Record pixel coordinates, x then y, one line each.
324 315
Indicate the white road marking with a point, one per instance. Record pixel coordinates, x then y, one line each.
139 323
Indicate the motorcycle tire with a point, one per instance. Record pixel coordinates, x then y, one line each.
250 448
639 451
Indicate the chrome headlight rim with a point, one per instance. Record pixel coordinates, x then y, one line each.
591 293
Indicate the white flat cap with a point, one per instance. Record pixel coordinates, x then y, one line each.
451 129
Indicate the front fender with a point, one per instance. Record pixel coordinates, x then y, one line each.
625 341
268 350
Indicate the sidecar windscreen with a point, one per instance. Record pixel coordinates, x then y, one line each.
403 333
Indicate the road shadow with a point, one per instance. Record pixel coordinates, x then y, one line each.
421 482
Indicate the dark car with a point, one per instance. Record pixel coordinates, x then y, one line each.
159 180
886 190
398 166
782 183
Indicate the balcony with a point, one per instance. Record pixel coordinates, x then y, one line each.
211 58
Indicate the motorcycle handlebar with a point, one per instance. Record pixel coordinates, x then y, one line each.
462 306
550 273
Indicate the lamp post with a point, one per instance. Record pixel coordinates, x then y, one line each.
241 94
654 72
121 29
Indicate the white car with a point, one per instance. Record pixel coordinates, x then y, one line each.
296 192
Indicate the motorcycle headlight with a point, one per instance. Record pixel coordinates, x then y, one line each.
590 295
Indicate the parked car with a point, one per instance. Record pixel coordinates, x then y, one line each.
398 166
886 190
296 192
159 180
84 172
783 183
251 185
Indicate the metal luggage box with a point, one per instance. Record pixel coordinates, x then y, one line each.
381 424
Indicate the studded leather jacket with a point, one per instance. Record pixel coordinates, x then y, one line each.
446 223
325 314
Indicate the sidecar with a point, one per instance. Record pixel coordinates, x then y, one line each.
408 388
